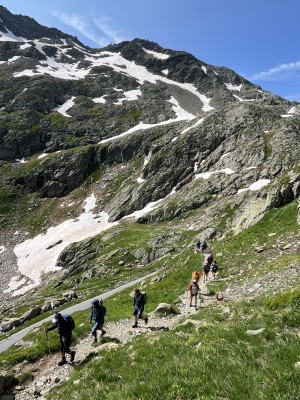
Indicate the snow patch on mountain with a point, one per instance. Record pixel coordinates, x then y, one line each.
160 56
233 87
8 36
38 256
256 185
207 175
130 95
65 107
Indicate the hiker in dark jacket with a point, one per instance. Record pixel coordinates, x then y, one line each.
138 307
65 335
214 269
201 245
206 266
98 312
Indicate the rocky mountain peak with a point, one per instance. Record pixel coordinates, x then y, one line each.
26 28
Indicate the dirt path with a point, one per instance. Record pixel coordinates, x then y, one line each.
47 374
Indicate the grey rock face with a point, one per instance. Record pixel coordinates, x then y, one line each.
9 323
30 314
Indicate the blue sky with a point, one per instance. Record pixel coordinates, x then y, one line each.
257 38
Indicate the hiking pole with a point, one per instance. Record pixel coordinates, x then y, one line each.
187 296
200 300
47 339
65 346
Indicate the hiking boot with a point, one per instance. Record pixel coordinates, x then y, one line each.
62 361
72 355
103 332
146 320
94 336
135 325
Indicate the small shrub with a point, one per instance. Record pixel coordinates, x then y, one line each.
292 318
283 300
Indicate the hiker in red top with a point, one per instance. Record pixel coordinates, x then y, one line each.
194 289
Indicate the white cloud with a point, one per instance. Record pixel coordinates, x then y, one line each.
112 34
281 71
90 28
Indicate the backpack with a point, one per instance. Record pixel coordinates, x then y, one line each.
142 299
209 259
196 275
201 245
194 288
70 321
98 312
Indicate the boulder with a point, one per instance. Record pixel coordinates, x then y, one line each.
158 253
47 306
142 256
254 332
164 308
296 365
32 313
8 324
57 302
70 295
21 344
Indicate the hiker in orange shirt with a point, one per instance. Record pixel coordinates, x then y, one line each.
196 276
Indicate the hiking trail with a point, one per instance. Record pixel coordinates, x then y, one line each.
47 374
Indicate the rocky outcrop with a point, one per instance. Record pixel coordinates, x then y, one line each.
30 314
57 176
8 324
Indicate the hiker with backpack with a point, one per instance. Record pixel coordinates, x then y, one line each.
201 245
206 269
206 266
194 289
97 313
214 269
64 324
139 301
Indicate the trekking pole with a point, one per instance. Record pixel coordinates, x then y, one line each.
65 347
200 300
187 296
47 339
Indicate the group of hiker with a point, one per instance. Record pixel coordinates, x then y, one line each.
65 323
209 265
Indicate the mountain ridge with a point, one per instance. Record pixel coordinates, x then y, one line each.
28 27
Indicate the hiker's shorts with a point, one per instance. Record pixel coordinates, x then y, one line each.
138 311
